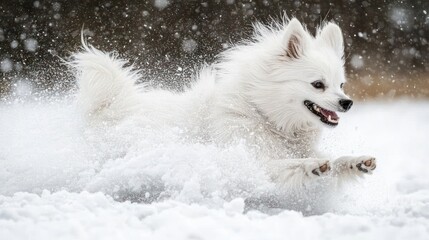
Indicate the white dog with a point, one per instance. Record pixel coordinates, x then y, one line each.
275 92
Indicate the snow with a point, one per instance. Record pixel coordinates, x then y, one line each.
56 6
31 44
6 65
2 37
14 44
357 61
401 18
161 4
145 13
189 45
22 89
62 180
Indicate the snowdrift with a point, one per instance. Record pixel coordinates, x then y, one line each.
62 179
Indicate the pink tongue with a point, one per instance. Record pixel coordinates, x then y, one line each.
327 113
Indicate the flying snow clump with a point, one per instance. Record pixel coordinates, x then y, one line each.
356 61
161 4
31 44
6 65
14 44
401 18
189 45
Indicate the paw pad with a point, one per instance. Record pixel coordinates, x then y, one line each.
368 162
322 169
367 165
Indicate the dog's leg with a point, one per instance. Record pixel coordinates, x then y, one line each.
350 167
296 172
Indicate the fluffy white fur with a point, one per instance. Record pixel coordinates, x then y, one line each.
255 92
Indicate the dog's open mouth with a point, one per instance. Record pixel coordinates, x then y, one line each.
326 116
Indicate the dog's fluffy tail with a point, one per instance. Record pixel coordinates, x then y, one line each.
107 89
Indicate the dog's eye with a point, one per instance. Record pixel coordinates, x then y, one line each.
342 85
318 85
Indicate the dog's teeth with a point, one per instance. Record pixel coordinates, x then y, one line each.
332 120
316 108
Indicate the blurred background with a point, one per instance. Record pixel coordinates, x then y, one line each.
387 46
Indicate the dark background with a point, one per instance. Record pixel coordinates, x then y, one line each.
386 41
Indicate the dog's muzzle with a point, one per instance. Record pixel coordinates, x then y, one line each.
326 116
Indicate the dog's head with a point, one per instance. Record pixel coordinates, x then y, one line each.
304 77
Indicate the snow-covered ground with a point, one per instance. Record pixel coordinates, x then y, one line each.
60 180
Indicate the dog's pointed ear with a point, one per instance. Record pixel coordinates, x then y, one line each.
295 39
331 34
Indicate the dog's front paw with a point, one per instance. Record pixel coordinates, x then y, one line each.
364 164
320 168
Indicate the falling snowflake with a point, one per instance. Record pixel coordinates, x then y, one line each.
161 4
31 44
189 45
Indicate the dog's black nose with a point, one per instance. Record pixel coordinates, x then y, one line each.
346 104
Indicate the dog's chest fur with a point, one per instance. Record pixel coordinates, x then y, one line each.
281 145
